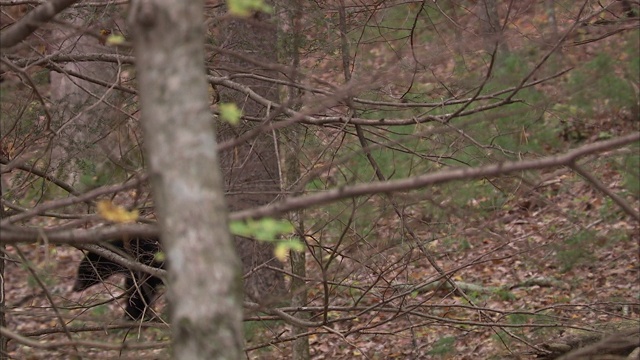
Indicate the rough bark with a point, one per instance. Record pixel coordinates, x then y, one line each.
85 113
204 282
251 170
290 37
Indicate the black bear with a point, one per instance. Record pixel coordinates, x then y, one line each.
141 287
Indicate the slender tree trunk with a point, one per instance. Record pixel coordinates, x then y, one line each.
250 169
290 33
205 288
552 24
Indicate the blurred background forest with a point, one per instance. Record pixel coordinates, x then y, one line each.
463 175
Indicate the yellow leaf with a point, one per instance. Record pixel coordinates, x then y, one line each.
116 213
281 252
116 39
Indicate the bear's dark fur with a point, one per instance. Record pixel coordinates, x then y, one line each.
261 285
141 287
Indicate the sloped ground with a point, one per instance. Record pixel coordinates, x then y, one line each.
540 266
89 317
559 252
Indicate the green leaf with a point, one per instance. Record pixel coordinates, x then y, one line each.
245 8
230 113
269 230
266 229
284 247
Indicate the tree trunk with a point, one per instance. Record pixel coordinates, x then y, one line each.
290 35
251 171
205 292
85 113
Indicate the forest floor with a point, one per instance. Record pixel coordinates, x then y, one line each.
586 282
564 250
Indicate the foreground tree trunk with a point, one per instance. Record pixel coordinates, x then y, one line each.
204 271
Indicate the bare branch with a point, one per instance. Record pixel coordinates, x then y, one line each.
431 179
121 260
129 345
34 171
77 237
31 22
73 200
605 190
